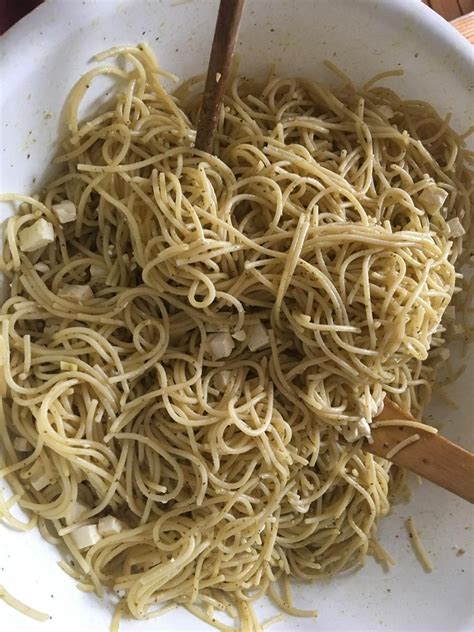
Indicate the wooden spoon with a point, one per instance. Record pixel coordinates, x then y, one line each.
223 46
433 457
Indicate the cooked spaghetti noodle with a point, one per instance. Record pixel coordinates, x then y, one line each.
195 346
401 445
418 547
22 607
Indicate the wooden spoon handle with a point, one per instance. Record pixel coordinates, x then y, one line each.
223 46
433 457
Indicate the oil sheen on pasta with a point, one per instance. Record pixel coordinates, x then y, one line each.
238 321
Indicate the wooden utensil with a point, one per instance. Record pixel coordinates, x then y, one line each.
433 457
223 46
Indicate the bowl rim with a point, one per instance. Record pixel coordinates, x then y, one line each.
421 14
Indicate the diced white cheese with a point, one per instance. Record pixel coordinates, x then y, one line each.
85 536
257 336
432 198
109 526
372 405
76 511
78 293
98 273
40 481
65 211
450 314
380 404
239 335
386 111
455 228
353 432
41 266
21 444
363 428
36 236
220 345
68 366
222 379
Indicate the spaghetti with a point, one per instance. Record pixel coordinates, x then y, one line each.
194 346
21 607
401 445
418 547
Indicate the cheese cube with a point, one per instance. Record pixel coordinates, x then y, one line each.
21 444
372 404
222 379
386 111
65 211
86 536
380 404
220 345
240 335
98 273
68 366
354 432
456 229
41 266
109 526
257 336
78 293
432 198
36 236
76 511
41 481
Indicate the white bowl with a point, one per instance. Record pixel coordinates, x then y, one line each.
42 57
